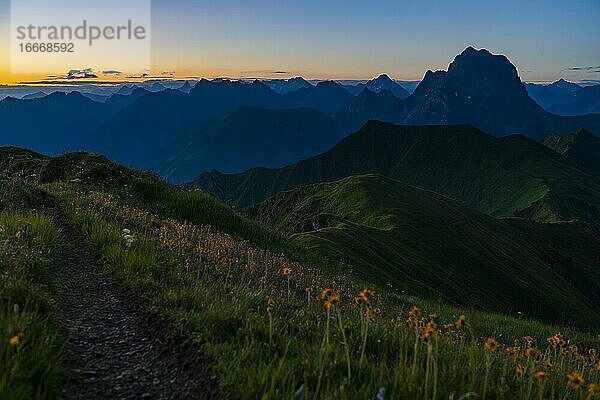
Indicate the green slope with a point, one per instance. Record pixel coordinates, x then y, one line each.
421 243
582 148
510 176
73 171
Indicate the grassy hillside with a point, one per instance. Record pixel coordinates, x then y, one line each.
422 243
306 331
31 361
582 148
21 170
499 176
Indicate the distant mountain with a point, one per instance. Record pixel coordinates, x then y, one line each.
555 93
51 124
485 91
409 86
422 243
566 98
509 176
284 86
98 98
582 148
157 120
126 90
329 97
33 96
246 138
383 82
121 101
369 105
185 88
584 101
154 87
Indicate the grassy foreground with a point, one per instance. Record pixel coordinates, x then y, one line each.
30 352
281 329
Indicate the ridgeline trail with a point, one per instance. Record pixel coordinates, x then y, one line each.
116 348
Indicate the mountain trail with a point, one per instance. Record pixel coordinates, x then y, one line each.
116 349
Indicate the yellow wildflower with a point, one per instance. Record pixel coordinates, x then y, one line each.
541 376
491 345
575 380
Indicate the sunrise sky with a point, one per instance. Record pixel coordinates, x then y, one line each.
353 39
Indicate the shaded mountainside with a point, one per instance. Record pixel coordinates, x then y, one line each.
246 138
582 148
51 124
420 242
510 176
329 97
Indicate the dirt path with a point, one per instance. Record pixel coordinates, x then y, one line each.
116 349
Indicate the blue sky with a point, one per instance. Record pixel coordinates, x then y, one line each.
359 39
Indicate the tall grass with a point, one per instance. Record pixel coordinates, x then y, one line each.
281 329
30 352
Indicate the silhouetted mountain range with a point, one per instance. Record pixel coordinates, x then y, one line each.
383 82
566 98
482 90
284 86
135 126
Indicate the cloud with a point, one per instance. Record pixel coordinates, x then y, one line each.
589 69
141 76
86 73
267 72
111 72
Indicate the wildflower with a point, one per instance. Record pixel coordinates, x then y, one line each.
381 394
370 314
596 367
461 321
331 298
416 311
15 340
429 331
541 376
491 345
594 389
287 271
532 352
364 296
528 339
519 371
575 380
270 304
556 340
310 290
